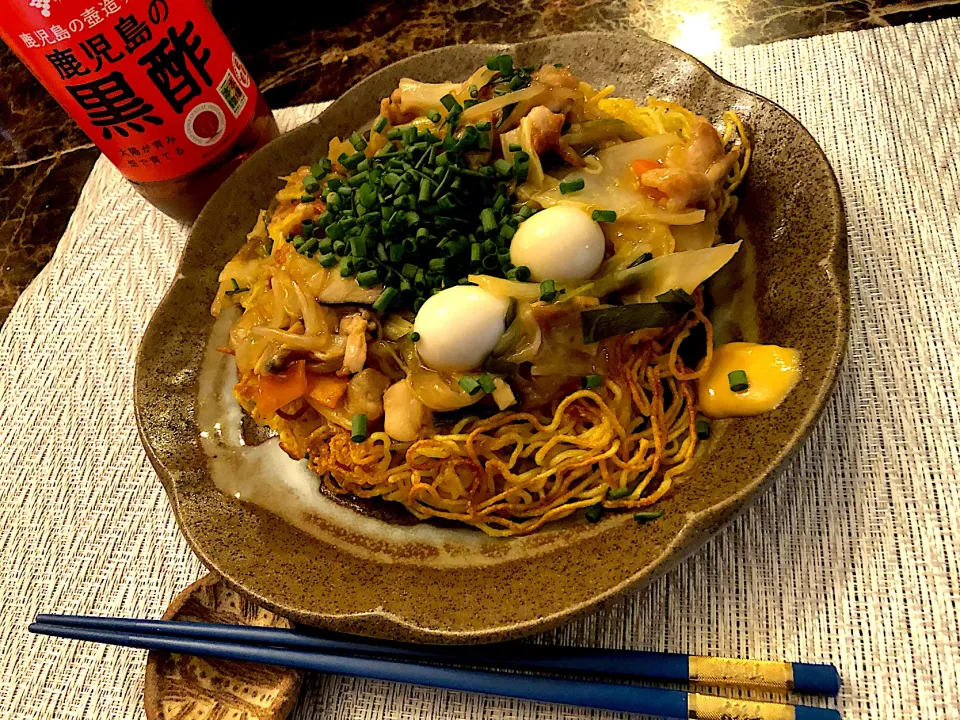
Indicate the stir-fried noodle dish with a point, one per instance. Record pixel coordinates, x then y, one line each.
488 305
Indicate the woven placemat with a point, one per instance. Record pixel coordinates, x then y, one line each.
852 557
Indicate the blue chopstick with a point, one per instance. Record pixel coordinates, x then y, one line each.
796 677
606 696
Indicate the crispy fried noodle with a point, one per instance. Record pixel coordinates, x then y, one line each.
367 291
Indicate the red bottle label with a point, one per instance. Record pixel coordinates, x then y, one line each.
154 83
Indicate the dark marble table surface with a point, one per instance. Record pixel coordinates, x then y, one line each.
311 54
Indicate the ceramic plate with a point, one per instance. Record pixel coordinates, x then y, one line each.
343 570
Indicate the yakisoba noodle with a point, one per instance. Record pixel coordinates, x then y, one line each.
614 427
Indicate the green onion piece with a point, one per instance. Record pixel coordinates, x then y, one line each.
395 134
486 384
433 116
490 262
514 147
351 161
472 91
309 246
738 380
414 336
368 278
358 246
409 135
523 273
307 198
525 211
646 257
483 141
502 63
604 216
437 264
425 190
333 184
642 517
548 291
469 385
484 126
449 102
619 493
310 184
703 428
346 266
359 144
386 297
395 252
409 271
328 260
358 428
507 232
503 168
475 252
594 513
380 124
521 169
320 168
488 219
591 381
571 186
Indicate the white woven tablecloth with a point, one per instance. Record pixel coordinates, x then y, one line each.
852 558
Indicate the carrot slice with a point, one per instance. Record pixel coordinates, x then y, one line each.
280 389
327 389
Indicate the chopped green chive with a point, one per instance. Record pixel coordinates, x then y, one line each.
571 186
346 266
350 162
414 336
469 385
359 144
321 168
514 147
394 134
591 381
380 124
386 297
523 273
501 63
642 517
594 513
449 102
433 116
604 216
368 278
489 220
619 493
738 380
307 198
703 429
548 291
473 92
486 383
358 428
328 260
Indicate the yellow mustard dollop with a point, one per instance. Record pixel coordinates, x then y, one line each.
772 372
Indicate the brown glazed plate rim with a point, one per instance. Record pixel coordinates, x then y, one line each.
160 425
